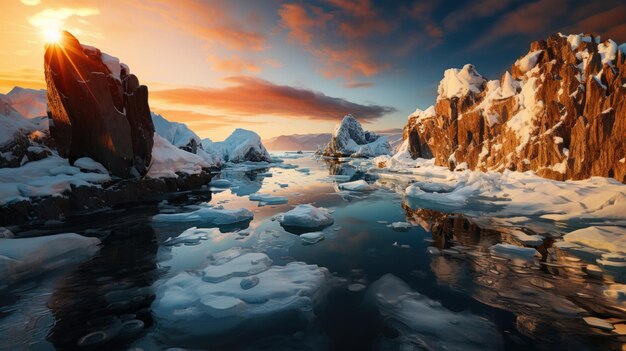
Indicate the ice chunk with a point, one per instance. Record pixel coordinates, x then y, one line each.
22 258
415 316
189 307
312 238
267 199
349 139
240 266
400 226
607 238
208 215
357 185
306 216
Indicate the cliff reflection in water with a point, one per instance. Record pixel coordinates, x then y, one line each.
106 301
549 294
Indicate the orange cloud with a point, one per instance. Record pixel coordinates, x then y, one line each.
249 96
297 21
355 85
234 64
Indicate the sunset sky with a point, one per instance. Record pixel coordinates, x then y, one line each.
287 67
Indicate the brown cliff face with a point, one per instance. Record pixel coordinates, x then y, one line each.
95 112
560 112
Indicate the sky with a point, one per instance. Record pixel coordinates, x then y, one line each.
294 67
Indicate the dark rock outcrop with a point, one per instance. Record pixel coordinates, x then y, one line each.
97 108
560 112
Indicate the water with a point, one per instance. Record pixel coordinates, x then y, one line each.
459 290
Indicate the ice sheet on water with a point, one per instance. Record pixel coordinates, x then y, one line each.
22 258
208 215
312 238
425 323
241 289
267 199
357 185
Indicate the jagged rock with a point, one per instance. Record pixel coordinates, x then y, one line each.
560 112
349 139
98 109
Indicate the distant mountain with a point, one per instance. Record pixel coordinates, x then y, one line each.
295 142
311 142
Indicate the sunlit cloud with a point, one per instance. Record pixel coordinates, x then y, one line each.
249 96
234 64
51 21
30 2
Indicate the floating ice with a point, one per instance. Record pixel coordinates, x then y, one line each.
400 226
240 290
306 216
425 324
606 238
357 185
312 238
267 199
514 252
208 215
22 258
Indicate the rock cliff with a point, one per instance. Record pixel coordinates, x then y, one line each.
97 108
349 139
560 111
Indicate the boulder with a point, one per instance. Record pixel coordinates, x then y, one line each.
97 108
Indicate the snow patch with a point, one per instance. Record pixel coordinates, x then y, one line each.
460 82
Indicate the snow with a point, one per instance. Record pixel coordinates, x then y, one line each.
607 51
349 139
242 287
181 136
113 64
508 194
176 133
529 61
52 175
357 185
605 238
24 258
208 215
168 160
400 226
242 145
415 316
460 82
306 216
522 123
420 115
88 164
513 252
30 103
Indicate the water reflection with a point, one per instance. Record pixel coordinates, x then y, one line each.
548 297
106 301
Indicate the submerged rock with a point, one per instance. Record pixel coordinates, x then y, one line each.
560 112
98 109
349 139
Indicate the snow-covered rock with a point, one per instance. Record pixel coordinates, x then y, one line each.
12 123
306 216
460 82
50 176
417 317
238 288
208 215
24 258
168 160
349 139
241 146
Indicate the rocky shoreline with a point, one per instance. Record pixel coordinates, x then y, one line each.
86 199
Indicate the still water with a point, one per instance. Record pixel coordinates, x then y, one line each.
456 293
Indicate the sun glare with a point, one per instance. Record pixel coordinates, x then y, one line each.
52 35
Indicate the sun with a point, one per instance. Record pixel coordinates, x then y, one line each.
52 35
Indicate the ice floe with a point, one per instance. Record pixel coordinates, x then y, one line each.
208 214
22 258
306 216
357 185
239 288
